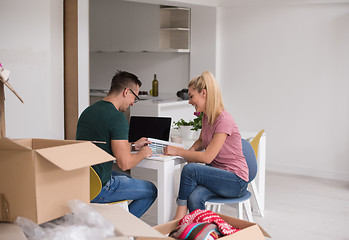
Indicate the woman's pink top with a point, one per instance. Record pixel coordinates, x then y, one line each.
230 157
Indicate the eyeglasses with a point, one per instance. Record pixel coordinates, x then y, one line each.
136 97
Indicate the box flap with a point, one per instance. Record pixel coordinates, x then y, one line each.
39 143
125 223
252 232
76 155
8 144
242 224
264 232
167 227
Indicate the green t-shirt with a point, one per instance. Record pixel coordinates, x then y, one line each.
102 122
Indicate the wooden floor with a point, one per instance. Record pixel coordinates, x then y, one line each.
298 207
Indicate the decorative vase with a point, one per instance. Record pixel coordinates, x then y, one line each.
196 134
186 133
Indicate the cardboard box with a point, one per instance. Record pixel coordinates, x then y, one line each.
127 225
248 230
39 176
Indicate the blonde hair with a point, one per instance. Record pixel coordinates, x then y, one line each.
214 102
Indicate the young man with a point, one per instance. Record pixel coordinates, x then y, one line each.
105 122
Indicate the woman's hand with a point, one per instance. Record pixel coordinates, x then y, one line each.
192 149
141 143
172 151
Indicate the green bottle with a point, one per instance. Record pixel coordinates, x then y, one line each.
155 89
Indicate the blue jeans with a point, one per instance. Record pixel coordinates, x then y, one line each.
201 182
123 187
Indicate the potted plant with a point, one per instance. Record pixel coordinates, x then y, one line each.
189 128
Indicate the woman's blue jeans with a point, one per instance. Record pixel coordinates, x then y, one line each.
123 187
201 182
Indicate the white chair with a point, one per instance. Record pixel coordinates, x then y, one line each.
255 145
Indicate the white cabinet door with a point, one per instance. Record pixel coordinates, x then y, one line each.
117 25
100 25
146 28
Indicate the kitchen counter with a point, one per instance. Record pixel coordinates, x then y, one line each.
98 92
163 98
165 105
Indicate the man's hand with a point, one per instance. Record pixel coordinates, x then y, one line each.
145 151
141 143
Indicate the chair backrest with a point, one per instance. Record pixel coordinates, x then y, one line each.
95 184
250 159
255 142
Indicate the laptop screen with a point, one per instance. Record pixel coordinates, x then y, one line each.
153 127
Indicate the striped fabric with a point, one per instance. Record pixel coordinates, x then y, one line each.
207 216
197 231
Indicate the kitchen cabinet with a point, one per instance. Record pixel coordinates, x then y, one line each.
117 25
174 29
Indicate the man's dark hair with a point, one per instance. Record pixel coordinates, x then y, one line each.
122 80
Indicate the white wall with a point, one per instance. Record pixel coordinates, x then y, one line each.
286 69
31 47
83 56
203 40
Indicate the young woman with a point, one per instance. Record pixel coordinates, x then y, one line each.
225 171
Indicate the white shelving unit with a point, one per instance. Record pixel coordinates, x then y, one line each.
174 29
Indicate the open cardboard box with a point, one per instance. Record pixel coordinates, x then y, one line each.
39 176
127 225
248 230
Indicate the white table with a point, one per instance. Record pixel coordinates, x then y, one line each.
165 179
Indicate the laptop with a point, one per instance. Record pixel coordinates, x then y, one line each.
157 130
150 127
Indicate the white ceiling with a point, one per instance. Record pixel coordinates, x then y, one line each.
236 3
229 3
